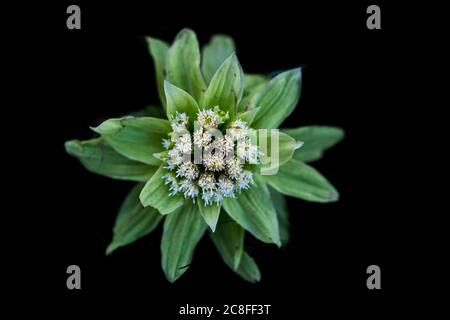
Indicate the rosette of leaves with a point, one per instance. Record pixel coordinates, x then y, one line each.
142 148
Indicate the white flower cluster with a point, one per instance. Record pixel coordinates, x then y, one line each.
220 172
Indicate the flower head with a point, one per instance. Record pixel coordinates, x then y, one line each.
183 144
209 119
187 170
220 172
202 138
238 129
179 122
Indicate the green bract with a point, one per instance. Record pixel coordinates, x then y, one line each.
205 161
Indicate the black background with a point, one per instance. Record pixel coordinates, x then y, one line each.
351 79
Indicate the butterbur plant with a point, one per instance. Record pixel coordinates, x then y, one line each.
210 159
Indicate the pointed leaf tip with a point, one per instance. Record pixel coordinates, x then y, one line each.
179 101
297 179
277 99
109 249
210 214
334 195
226 86
183 64
254 211
214 54
133 221
107 127
98 157
317 140
71 145
229 241
298 144
185 31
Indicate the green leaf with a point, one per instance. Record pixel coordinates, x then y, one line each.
180 101
248 269
135 138
133 221
183 229
253 210
229 241
158 50
214 54
210 214
226 86
316 140
183 64
279 202
248 115
100 158
252 84
277 99
299 180
253 80
273 156
157 194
